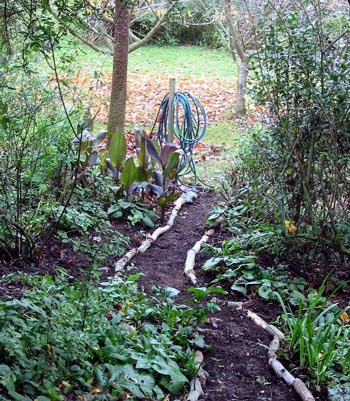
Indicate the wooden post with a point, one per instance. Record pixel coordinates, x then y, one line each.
170 115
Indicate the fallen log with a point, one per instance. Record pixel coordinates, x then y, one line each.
191 256
281 372
268 327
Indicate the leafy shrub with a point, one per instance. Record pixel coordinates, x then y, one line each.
302 81
188 23
32 143
290 173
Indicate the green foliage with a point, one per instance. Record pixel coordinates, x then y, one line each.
235 263
236 260
188 23
134 212
117 150
339 391
73 339
34 139
152 170
296 166
316 335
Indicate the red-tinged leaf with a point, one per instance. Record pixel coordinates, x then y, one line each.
167 150
153 151
93 159
112 170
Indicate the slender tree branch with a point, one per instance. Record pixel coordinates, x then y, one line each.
151 33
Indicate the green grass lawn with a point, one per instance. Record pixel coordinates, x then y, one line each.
189 60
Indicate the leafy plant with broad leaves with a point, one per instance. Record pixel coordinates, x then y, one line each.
72 339
237 259
153 170
133 212
234 264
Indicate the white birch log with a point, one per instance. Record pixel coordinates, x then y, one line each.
261 323
159 231
302 390
281 372
298 385
121 263
191 257
177 206
273 347
186 197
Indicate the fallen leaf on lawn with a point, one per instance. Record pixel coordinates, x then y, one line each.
146 92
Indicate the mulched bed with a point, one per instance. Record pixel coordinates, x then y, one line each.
237 358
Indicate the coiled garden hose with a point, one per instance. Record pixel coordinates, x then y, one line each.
188 122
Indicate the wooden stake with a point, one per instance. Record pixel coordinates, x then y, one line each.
171 114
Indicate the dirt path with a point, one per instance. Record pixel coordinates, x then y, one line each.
237 362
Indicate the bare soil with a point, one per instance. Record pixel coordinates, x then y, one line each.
237 358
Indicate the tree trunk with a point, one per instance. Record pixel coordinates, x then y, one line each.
243 64
117 107
241 108
5 41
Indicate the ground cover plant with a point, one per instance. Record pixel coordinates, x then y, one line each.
59 324
63 338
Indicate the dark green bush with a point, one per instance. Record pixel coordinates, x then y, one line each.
295 167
